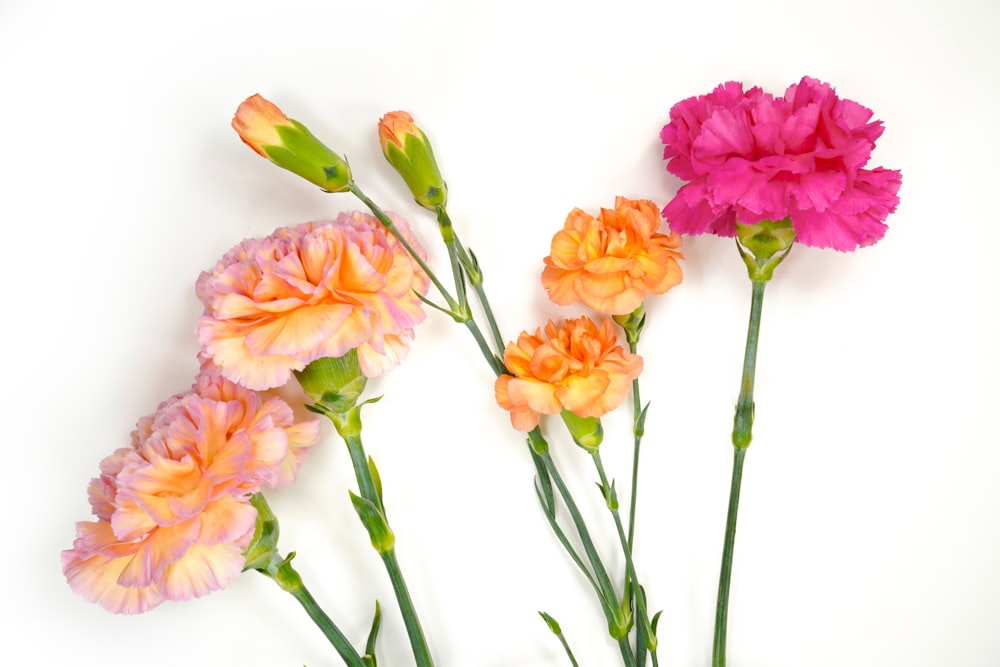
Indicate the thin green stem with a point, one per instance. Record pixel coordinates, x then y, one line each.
722 602
455 310
631 575
742 435
370 491
281 572
569 652
468 260
421 652
600 571
387 222
637 432
613 608
448 234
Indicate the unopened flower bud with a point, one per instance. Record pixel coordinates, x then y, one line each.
406 148
287 143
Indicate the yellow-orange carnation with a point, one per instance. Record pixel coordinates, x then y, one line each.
612 262
579 367
317 290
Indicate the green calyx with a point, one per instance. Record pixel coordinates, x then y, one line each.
263 547
416 164
334 383
632 323
587 432
302 153
764 245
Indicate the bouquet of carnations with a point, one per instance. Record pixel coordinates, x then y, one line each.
181 510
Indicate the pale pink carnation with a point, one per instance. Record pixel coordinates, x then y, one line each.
320 289
750 156
173 511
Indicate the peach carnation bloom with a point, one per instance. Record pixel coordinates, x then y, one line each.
173 511
320 289
612 262
579 367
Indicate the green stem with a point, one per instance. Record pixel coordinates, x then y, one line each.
631 575
421 651
722 602
637 441
742 435
612 607
465 257
281 572
458 312
391 226
370 491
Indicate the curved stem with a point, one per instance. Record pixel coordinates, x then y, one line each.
281 572
631 575
391 226
609 599
742 435
458 311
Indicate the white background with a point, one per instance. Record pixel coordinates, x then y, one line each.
869 524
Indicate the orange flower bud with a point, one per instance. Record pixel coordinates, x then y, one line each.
406 148
287 143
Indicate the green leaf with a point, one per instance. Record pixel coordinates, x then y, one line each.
374 522
369 657
543 485
640 422
376 479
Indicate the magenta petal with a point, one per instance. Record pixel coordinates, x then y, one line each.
757 157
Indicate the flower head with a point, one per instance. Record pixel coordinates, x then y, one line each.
287 143
173 510
407 149
613 261
579 367
320 289
750 156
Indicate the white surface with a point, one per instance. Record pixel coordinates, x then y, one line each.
869 522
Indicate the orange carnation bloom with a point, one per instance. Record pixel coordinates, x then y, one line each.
612 262
579 367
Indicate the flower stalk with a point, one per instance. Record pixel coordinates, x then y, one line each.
371 511
262 555
454 308
742 435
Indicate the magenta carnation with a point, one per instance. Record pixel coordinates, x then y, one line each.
750 156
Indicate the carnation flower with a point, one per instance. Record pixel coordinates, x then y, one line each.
612 262
320 289
173 511
579 367
750 156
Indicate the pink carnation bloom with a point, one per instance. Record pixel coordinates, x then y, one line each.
749 156
173 511
320 289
